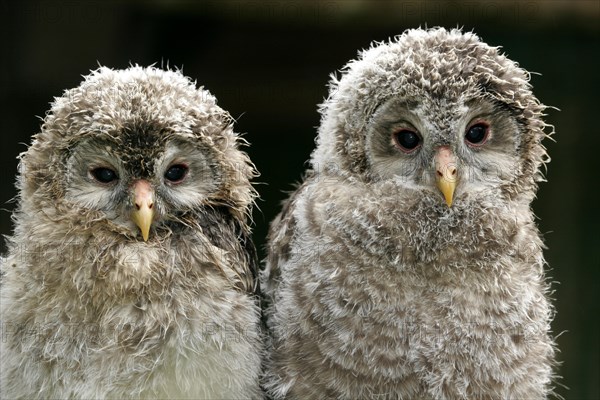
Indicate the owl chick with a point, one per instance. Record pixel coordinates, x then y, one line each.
408 264
130 272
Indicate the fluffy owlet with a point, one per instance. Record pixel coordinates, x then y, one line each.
408 265
130 272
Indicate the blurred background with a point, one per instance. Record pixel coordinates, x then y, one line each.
268 64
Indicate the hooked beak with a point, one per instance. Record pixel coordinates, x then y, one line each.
446 173
143 213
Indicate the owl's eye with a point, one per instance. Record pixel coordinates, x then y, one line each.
477 134
176 173
104 175
407 140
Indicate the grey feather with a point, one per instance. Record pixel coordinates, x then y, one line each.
89 309
376 287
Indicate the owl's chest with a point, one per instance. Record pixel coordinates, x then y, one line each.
208 360
393 321
159 325
377 232
188 348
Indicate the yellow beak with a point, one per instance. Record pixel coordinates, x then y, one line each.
446 173
143 214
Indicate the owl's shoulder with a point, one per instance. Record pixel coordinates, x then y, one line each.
217 233
281 232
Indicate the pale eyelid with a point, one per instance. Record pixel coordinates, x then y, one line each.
402 124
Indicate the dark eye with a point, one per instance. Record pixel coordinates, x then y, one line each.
104 175
477 134
407 140
176 173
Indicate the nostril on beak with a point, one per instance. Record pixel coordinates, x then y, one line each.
446 172
138 206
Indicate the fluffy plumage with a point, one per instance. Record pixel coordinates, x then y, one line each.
90 308
377 288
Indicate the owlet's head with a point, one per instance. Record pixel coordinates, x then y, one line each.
438 111
133 151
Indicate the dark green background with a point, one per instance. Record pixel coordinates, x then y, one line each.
268 64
